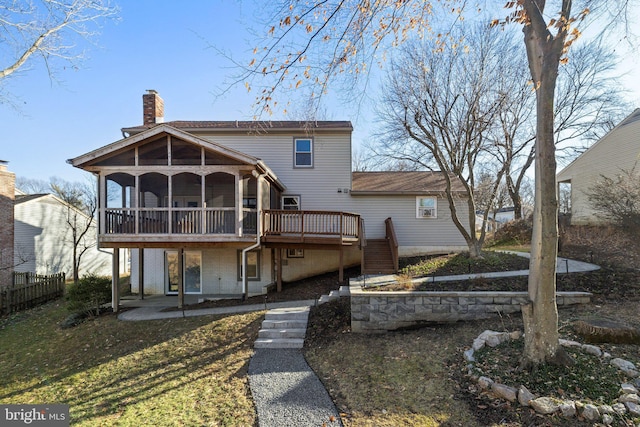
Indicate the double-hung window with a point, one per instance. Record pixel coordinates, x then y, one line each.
426 207
303 153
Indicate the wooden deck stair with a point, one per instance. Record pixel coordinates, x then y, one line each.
377 257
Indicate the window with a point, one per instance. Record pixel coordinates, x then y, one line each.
253 265
295 253
426 207
303 153
291 203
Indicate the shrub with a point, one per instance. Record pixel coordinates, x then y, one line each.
516 232
617 200
88 295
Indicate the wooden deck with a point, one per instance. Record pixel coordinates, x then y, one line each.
208 227
290 227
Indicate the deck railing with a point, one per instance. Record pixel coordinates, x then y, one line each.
311 223
177 221
199 221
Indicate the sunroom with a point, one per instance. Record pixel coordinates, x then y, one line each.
164 187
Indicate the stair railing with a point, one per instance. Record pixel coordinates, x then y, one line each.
363 245
392 239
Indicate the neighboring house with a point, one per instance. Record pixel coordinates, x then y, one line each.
617 151
7 195
496 219
43 241
200 203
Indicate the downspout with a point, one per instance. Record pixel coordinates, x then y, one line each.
245 289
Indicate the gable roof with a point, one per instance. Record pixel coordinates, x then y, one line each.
23 198
244 126
27 198
114 147
390 183
84 161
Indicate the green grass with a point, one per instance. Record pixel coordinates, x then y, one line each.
167 372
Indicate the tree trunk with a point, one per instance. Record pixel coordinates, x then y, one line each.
540 315
516 200
75 263
475 249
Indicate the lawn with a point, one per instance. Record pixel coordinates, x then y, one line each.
169 372
418 377
193 371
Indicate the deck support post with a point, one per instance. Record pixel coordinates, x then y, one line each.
341 271
115 280
181 278
279 271
141 273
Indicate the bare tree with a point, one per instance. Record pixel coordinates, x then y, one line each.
353 32
32 186
564 198
49 29
547 40
588 104
438 109
362 160
488 198
80 199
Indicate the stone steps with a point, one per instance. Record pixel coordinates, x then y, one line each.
279 343
282 333
283 328
287 327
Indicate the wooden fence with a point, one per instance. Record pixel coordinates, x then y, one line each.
29 290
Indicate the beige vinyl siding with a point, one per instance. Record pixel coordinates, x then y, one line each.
219 271
415 235
617 151
317 262
317 186
43 236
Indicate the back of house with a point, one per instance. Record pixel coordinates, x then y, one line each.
217 208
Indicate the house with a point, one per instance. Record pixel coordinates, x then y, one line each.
230 208
7 195
617 151
496 218
43 241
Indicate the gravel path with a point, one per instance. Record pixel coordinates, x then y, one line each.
287 392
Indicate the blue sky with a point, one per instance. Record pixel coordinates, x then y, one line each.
155 45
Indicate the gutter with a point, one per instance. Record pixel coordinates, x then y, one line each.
245 289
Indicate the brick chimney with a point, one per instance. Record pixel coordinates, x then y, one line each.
152 108
7 197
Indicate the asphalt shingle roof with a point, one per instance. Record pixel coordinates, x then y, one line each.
402 182
248 125
26 197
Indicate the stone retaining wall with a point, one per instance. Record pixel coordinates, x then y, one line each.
380 311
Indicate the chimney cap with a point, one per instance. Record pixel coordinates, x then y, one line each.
152 91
